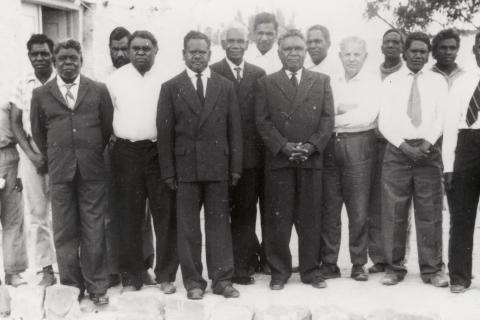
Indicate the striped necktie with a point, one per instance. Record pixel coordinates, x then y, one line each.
473 106
69 95
239 77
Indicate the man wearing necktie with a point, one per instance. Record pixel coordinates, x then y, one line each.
294 116
244 197
461 160
200 151
411 119
71 119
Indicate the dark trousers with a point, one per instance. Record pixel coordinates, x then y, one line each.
137 178
349 159
292 199
463 203
243 211
78 209
402 180
375 237
218 240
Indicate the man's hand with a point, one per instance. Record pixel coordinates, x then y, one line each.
290 147
307 148
426 147
37 159
448 180
235 177
171 183
413 153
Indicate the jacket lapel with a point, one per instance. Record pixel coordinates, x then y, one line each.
82 91
242 89
306 83
213 90
55 91
283 83
189 94
228 72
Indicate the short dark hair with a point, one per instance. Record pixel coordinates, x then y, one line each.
195 35
442 35
397 31
265 17
290 33
144 34
417 36
118 34
39 39
68 44
322 29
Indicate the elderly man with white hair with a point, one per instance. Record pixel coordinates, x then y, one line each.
349 159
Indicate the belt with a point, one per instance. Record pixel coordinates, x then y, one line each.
352 134
139 143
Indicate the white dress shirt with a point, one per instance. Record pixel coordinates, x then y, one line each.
298 75
206 74
394 122
73 89
270 61
233 66
456 115
357 102
135 101
328 66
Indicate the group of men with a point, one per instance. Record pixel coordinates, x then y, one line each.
267 125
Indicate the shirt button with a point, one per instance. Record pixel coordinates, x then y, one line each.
74 130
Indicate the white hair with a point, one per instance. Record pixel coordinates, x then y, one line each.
352 39
235 26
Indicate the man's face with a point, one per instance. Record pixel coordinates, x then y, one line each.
292 53
68 63
196 55
353 57
119 52
476 52
416 55
235 44
142 54
392 45
317 46
40 57
446 52
265 36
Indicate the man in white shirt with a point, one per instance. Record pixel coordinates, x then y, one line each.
411 118
460 151
318 43
349 160
135 89
265 52
32 165
445 46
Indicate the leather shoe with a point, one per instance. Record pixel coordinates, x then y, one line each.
276 285
130 284
195 294
438 280
99 299
358 273
377 268
167 287
245 280
229 292
147 279
457 288
390 279
48 278
319 284
14 280
330 271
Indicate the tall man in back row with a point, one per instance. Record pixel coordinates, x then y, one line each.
294 116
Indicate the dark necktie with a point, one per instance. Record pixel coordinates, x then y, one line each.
473 106
294 80
414 110
239 77
200 88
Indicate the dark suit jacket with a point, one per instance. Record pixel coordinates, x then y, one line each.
72 138
253 150
283 115
195 142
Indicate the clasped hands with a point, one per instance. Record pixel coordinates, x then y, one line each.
298 152
417 153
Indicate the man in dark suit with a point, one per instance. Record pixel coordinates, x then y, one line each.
294 116
200 149
243 197
71 118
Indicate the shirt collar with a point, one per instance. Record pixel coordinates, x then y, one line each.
298 74
358 77
273 50
456 70
233 65
31 77
61 83
192 74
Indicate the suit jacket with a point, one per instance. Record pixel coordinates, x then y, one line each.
72 139
195 142
253 150
285 115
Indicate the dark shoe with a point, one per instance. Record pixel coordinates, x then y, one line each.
113 280
99 299
296 269
390 279
195 294
167 287
229 292
81 295
457 288
359 273
14 280
439 280
243 280
266 269
377 268
48 278
330 271
319 284
147 279
276 285
129 283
